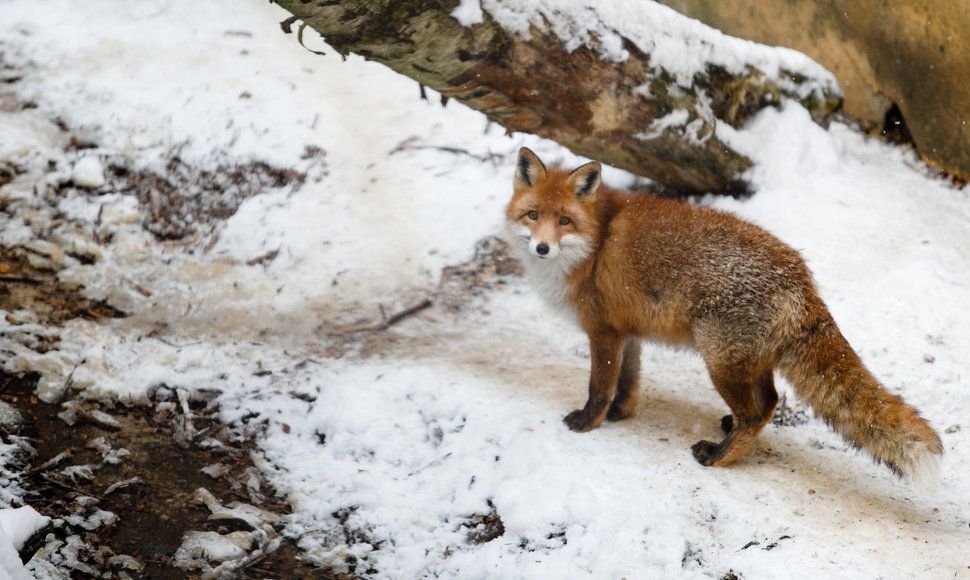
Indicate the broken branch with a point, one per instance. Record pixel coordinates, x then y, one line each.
387 322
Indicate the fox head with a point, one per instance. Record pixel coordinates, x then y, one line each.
551 216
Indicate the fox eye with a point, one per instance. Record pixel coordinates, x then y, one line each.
533 215
564 221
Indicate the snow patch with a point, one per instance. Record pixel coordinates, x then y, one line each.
88 172
16 527
468 13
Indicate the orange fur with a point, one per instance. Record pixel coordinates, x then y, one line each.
631 266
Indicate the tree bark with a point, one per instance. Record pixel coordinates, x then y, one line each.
628 114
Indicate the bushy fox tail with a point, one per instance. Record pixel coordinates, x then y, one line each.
827 374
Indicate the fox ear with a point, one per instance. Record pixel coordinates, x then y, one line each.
585 180
528 169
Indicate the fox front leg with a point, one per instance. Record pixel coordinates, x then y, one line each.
604 350
628 384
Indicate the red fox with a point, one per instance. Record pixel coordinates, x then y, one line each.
633 266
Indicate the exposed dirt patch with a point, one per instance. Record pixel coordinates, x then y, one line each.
127 485
28 283
8 171
183 200
483 528
489 268
122 485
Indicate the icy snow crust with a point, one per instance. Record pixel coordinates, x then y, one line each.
460 415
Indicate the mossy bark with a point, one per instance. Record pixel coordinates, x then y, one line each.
597 108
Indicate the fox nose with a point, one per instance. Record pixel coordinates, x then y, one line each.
542 249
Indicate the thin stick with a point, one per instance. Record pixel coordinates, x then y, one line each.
49 463
61 484
387 322
119 484
14 278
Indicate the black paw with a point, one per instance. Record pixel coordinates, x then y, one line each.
579 420
727 423
705 452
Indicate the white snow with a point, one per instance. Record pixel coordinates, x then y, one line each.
468 13
455 415
88 172
16 527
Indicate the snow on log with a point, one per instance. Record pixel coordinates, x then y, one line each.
635 85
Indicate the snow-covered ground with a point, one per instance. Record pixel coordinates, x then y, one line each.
392 450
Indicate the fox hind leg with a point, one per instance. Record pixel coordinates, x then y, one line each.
628 384
752 398
767 398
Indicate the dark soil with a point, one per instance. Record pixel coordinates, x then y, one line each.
154 511
186 200
37 289
490 267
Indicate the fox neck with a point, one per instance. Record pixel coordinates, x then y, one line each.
548 276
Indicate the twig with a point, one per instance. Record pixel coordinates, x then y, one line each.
184 241
68 381
255 560
426 303
173 344
432 463
100 418
267 257
211 244
453 150
9 380
49 463
187 414
387 322
119 484
68 487
17 278
287 26
139 289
